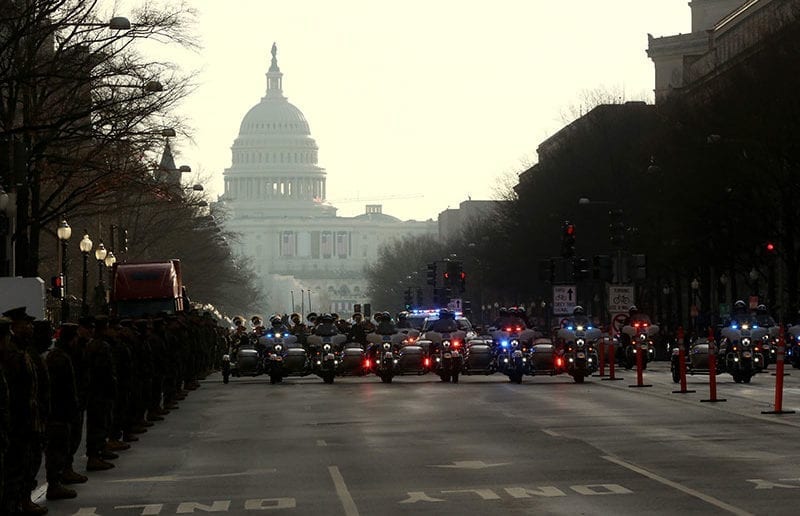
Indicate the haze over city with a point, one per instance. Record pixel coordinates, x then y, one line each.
419 105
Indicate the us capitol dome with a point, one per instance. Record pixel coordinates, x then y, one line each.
275 198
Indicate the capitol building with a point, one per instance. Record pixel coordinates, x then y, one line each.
275 199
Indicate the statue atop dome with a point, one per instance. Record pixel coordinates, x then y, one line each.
274 66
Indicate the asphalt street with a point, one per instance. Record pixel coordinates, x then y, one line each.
483 446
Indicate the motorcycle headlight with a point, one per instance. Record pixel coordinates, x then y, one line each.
278 335
446 343
580 343
387 346
746 343
326 347
278 348
226 358
642 336
514 343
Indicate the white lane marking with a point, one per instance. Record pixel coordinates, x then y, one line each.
348 504
551 433
468 464
485 494
687 490
321 442
177 478
39 492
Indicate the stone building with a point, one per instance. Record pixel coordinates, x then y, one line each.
275 198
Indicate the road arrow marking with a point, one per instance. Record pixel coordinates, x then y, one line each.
468 464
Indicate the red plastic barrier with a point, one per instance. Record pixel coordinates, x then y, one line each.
779 364
681 363
611 362
641 349
601 355
712 369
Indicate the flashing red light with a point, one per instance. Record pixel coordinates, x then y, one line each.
366 364
636 325
427 362
519 328
770 247
508 329
456 344
559 362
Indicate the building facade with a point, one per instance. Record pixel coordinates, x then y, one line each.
275 199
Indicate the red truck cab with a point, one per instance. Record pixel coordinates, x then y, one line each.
147 288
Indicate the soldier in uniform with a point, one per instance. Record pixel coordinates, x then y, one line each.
40 342
102 393
77 355
122 365
25 424
64 410
5 416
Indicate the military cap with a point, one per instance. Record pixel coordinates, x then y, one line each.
18 314
311 316
67 332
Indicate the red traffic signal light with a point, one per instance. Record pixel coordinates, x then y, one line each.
569 230
770 247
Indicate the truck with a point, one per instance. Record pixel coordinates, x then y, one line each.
27 292
147 288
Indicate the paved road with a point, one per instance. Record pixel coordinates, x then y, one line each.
483 446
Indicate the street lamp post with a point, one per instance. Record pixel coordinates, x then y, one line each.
86 248
64 232
100 291
695 310
110 261
5 228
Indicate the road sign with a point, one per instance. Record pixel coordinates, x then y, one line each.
454 304
620 298
618 322
564 299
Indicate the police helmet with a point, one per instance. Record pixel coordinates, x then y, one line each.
761 309
633 310
578 310
326 318
276 320
739 305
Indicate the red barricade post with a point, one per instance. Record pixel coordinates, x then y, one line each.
712 370
641 349
611 362
779 359
601 358
682 363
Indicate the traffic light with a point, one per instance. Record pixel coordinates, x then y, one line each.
462 276
58 286
568 240
770 248
638 267
617 227
603 268
408 299
431 274
582 268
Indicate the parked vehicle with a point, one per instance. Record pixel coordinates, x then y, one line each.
142 288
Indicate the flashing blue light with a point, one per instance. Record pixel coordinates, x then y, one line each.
504 343
755 326
735 326
269 335
588 327
569 328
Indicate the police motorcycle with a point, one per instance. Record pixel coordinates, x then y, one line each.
513 341
696 357
387 355
245 356
793 345
577 340
638 333
740 348
322 344
284 355
445 342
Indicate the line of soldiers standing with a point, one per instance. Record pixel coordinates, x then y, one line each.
120 375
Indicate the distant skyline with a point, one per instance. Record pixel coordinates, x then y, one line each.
421 104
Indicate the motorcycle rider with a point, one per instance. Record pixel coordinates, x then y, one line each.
446 323
763 318
357 331
739 312
579 318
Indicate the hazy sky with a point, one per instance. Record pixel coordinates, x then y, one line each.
417 104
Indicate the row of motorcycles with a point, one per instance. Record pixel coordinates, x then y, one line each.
742 348
446 345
